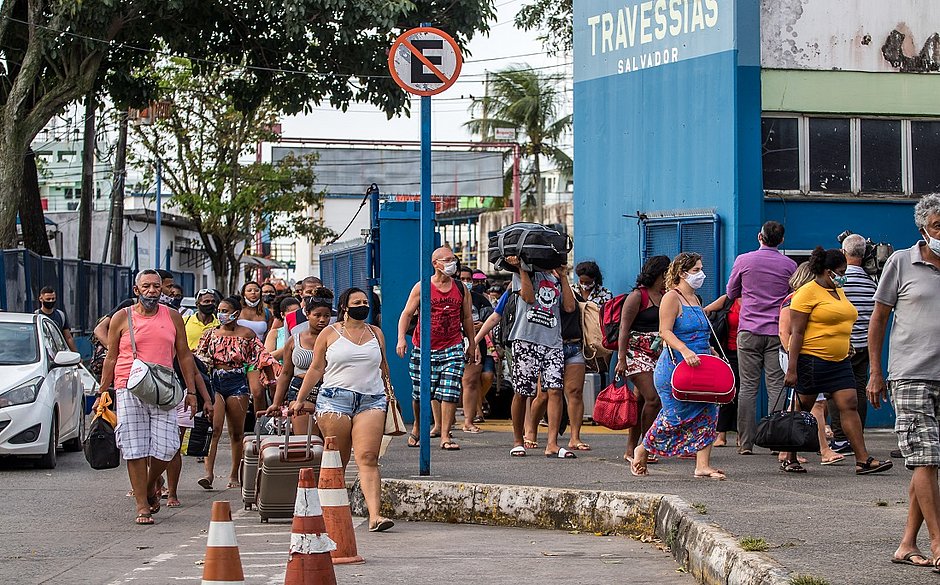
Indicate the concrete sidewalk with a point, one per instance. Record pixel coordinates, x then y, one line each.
828 523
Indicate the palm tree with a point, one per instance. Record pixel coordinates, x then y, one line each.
526 101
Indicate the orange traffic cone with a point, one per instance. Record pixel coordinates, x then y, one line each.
223 565
335 501
310 546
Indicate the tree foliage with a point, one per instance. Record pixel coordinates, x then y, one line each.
554 21
529 102
202 145
293 55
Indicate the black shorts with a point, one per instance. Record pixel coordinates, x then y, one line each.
818 376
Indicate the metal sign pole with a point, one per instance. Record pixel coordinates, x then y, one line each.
159 219
427 271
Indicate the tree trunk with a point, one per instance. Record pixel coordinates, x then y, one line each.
539 191
117 193
11 182
32 220
87 204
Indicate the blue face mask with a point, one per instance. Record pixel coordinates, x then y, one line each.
838 281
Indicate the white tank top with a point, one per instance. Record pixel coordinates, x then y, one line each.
354 367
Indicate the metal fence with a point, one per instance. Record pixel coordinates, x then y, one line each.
344 265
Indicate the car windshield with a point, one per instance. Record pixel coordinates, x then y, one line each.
18 344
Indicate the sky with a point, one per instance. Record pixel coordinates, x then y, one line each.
505 45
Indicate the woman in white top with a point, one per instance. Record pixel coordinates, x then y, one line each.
349 358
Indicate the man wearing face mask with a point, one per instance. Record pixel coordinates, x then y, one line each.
203 318
761 280
910 287
297 317
176 300
451 325
47 307
474 389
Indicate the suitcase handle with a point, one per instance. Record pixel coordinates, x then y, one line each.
285 454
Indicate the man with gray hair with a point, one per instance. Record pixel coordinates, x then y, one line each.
910 285
860 290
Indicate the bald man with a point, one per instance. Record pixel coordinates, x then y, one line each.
451 325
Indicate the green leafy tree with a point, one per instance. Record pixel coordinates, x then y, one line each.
528 102
553 19
201 144
295 54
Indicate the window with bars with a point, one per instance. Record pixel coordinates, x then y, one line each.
667 236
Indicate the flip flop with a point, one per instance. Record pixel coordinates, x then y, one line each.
413 440
562 454
450 446
909 560
834 461
173 503
382 525
717 475
517 451
473 430
144 520
530 444
638 469
205 483
581 447
232 485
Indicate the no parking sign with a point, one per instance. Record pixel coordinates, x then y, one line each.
425 61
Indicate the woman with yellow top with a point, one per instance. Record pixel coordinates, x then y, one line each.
821 319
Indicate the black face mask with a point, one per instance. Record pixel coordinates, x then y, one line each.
48 304
176 302
268 299
360 313
479 288
207 309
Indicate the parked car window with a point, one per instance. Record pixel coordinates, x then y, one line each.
19 344
54 340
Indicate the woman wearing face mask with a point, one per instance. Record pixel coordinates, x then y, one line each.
821 319
681 428
349 358
277 337
254 315
228 350
298 354
591 283
268 296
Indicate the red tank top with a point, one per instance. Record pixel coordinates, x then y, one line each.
446 328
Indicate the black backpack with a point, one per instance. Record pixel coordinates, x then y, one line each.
506 321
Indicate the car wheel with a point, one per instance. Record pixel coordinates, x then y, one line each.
74 445
48 460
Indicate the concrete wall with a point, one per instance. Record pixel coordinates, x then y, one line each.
846 35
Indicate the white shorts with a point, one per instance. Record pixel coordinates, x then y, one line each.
143 430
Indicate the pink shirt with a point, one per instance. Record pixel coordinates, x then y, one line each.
156 343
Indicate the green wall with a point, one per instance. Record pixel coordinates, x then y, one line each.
850 92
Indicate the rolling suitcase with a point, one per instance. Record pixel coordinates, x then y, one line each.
279 464
248 471
592 386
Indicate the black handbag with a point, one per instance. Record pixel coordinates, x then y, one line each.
789 430
100 446
196 441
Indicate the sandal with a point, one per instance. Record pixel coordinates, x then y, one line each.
834 461
205 483
381 526
473 430
908 559
413 440
580 447
517 451
716 474
144 520
792 467
872 466
562 453
173 503
530 444
478 420
450 446
638 468
232 484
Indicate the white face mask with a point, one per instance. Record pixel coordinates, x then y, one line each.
695 280
450 268
932 243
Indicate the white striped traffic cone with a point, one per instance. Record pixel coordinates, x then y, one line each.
223 564
310 546
335 501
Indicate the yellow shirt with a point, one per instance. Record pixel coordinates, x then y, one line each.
830 321
195 328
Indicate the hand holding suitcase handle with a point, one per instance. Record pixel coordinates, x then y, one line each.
285 454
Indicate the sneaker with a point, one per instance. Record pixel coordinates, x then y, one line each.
841 446
896 454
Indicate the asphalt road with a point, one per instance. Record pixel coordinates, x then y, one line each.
75 525
828 523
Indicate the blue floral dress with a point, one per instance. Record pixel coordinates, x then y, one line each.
682 428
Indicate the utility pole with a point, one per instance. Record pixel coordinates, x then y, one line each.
88 179
116 225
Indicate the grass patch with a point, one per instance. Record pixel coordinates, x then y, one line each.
807 580
752 544
700 508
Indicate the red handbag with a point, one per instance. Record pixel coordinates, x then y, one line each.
711 381
615 407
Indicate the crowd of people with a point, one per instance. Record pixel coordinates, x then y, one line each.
811 334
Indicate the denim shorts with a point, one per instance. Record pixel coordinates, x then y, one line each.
294 389
228 383
574 355
347 402
489 364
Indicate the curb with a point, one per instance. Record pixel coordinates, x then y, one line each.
709 553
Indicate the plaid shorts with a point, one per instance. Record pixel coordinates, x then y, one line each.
531 361
446 373
917 405
143 430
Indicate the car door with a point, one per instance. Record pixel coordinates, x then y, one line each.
62 380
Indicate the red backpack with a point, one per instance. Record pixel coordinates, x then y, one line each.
611 312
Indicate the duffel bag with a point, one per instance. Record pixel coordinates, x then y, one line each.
537 247
788 430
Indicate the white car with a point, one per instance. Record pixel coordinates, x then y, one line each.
41 390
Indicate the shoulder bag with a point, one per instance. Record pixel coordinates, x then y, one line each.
152 383
616 407
788 430
394 423
712 381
